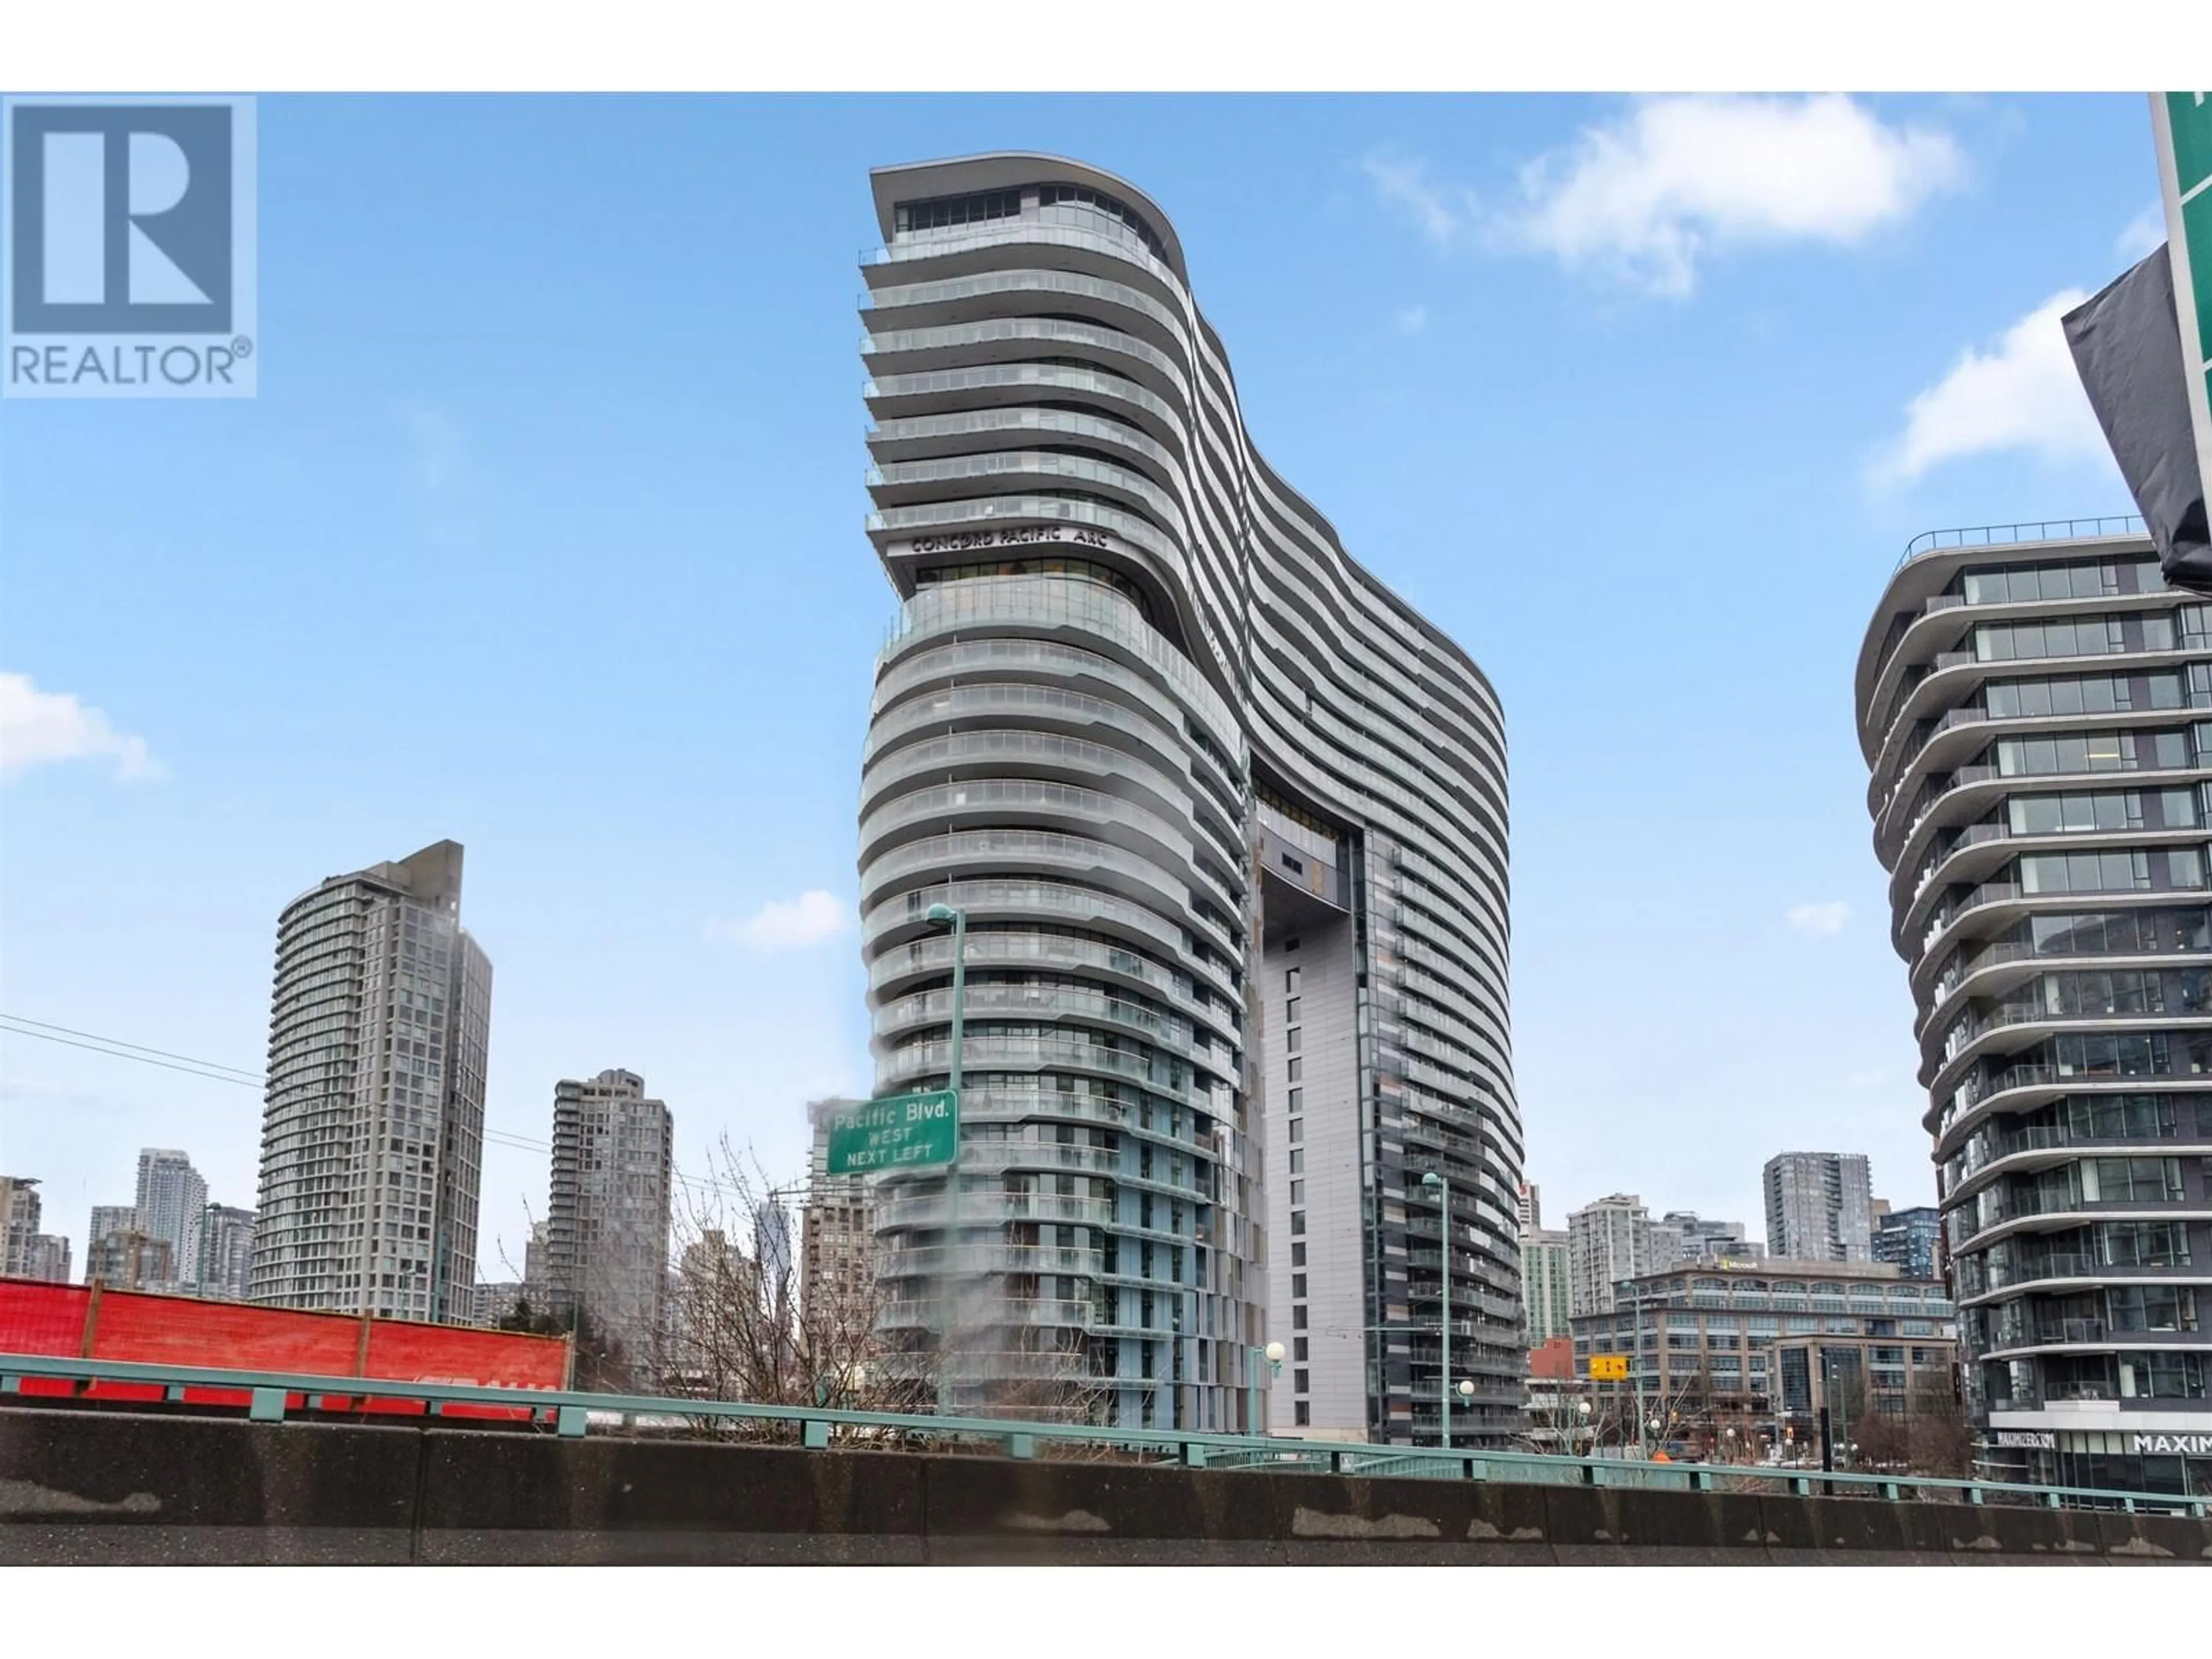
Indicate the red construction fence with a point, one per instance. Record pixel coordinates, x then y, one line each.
93 1322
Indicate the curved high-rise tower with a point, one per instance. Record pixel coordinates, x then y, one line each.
2032 702
1227 822
372 1133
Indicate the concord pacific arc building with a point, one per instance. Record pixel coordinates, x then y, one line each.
2038 714
1227 822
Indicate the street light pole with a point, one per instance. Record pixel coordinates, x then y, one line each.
1273 1354
941 915
1443 1384
1636 1298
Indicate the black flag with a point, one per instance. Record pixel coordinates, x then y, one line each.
2127 348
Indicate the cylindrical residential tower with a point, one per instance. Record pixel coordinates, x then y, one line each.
2032 700
371 1136
1227 822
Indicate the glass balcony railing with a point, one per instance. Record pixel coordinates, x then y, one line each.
2005 535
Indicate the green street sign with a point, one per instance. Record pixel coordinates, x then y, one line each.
901 1131
2183 122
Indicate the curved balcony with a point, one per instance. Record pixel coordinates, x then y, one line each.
999 1310
1018 339
946 390
987 1209
2002 1214
1992 1153
1046 606
988 665
1022 291
931 957
894 923
1044 1002
1160 888
1023 703
980 1260
1097 776
2026 1086
1171 1079
971 250
2008 1030
980 431
1902 756
901 484
981 1103
1943 621
1976 790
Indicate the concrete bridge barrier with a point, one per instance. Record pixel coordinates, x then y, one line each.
90 1486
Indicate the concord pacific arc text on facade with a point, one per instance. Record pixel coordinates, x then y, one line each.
1227 822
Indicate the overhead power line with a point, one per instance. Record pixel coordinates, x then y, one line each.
216 1071
212 1072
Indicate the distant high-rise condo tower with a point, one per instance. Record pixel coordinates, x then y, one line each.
19 1210
1547 1283
2036 706
372 1137
1819 1207
836 1252
226 1260
1609 1242
1227 821
606 1225
172 1207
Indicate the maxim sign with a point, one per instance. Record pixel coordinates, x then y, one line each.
2173 1445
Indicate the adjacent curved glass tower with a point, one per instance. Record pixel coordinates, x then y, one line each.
1227 822
2038 714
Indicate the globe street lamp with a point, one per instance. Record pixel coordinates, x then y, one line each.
1273 1354
944 915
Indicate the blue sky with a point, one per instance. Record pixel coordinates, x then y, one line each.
544 534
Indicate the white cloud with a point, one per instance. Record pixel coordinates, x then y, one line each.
1646 198
1444 214
789 924
44 728
2145 235
1819 920
2020 393
1413 319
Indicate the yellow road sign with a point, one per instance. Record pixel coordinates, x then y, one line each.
1608 1367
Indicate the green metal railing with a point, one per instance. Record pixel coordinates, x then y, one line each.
571 1413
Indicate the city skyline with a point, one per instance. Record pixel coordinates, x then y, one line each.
753 920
